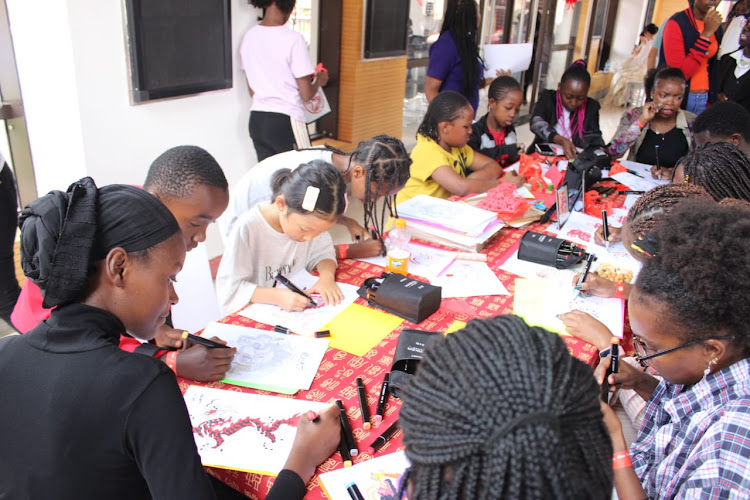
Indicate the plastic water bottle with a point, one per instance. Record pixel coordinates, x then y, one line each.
398 249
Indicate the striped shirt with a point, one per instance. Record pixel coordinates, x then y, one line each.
695 442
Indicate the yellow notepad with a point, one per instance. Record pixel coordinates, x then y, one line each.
359 328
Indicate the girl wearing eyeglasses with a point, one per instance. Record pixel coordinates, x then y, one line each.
688 311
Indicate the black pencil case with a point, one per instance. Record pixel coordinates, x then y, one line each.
549 251
409 352
405 297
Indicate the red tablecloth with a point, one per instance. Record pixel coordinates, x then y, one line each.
338 371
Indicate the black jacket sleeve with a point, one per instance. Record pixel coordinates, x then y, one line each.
288 486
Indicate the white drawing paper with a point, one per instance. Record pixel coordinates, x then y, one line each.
425 261
270 360
469 279
642 169
507 56
636 183
580 229
376 479
306 322
456 216
241 431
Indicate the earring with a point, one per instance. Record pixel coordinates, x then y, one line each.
707 371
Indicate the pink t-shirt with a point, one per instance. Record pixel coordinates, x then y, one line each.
273 57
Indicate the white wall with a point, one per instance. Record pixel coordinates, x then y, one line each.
629 24
72 64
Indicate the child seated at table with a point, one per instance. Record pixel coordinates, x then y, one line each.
688 312
721 168
82 418
381 162
500 409
723 121
192 185
283 236
493 134
443 164
567 115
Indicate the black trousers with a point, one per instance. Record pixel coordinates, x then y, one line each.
9 289
271 133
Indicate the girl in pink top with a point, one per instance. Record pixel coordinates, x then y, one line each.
280 77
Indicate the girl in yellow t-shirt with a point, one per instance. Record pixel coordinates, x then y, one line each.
442 162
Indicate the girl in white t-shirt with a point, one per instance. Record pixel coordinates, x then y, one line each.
280 77
382 160
283 236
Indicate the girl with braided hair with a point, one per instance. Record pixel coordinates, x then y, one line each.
454 58
501 410
688 311
443 162
564 116
720 168
378 168
646 213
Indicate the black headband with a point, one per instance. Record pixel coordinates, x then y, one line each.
63 233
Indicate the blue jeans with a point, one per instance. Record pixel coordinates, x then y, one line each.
697 103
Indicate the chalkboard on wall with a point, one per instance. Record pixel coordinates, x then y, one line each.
178 47
386 28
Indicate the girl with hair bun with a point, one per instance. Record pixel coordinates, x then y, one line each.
82 418
564 116
283 236
443 164
501 410
688 311
280 78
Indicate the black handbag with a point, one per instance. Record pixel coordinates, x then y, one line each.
405 297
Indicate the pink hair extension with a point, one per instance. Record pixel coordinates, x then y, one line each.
577 117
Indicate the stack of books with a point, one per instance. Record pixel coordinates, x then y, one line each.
450 223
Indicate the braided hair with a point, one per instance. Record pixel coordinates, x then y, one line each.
501 410
386 163
652 207
720 168
445 107
700 275
576 72
501 86
461 21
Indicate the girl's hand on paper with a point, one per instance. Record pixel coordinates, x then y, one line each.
291 301
614 235
596 285
314 442
204 364
569 149
663 173
587 328
328 289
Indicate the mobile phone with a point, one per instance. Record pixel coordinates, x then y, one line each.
545 149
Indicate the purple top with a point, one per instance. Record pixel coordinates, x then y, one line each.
445 65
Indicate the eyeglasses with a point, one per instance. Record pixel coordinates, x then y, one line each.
640 348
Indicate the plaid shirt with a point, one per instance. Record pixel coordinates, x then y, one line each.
695 442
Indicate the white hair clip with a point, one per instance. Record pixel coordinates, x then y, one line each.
311 198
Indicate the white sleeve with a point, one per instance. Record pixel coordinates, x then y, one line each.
321 248
233 289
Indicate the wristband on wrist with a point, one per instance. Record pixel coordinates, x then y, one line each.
171 360
641 124
619 290
342 250
621 460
